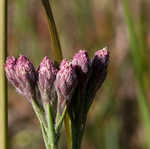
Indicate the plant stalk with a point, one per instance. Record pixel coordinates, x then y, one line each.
3 85
53 31
39 115
50 124
77 134
60 120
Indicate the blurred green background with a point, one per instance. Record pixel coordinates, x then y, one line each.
119 117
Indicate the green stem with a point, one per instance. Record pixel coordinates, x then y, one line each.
3 85
44 136
39 115
60 120
77 134
53 31
51 130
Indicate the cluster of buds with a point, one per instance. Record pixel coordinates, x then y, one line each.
21 73
74 83
90 75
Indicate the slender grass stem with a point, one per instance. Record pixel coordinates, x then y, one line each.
138 61
53 31
3 85
144 111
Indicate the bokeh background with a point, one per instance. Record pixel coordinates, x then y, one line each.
119 117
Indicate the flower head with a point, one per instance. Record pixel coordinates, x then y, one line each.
101 59
99 68
65 84
81 62
10 70
20 72
66 79
25 69
46 76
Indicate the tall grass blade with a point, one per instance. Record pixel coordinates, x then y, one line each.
138 63
3 86
53 31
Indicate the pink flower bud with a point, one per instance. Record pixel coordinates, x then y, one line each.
10 70
65 84
66 79
101 59
99 69
81 62
46 76
21 74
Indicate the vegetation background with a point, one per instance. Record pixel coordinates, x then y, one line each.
119 116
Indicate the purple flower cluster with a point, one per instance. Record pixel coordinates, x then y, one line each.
79 75
21 73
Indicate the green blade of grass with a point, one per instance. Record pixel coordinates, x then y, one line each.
3 86
53 31
138 63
